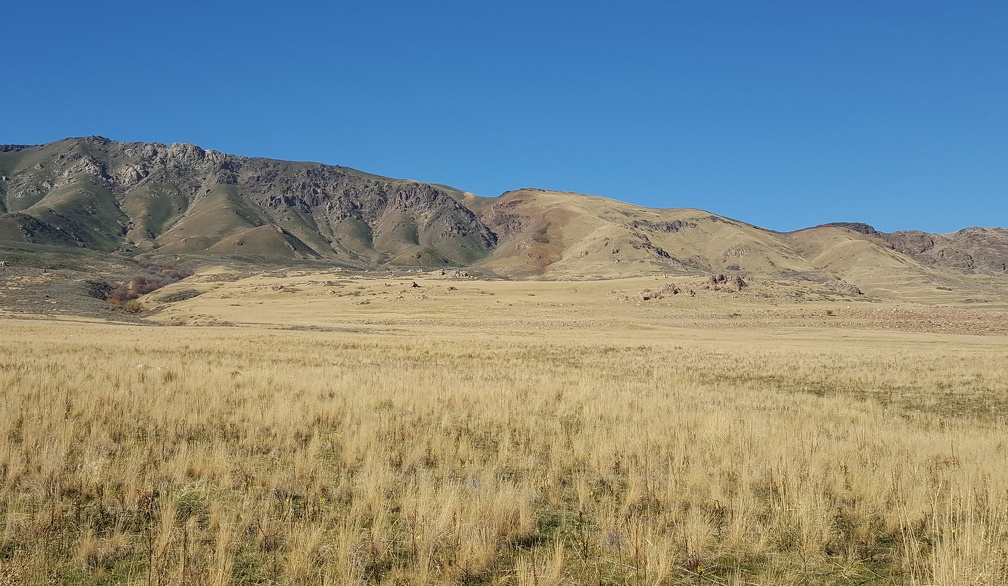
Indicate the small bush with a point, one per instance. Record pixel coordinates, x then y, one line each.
153 277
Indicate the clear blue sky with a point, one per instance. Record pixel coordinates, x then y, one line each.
782 114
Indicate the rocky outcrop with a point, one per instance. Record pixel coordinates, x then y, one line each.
911 242
972 250
664 291
721 282
859 227
666 227
504 220
844 288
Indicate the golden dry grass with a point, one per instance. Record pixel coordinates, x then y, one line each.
505 433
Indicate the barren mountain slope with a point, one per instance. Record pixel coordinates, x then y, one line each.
100 194
865 258
557 233
972 250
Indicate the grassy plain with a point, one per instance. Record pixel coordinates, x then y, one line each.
322 428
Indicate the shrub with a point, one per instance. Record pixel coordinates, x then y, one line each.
153 277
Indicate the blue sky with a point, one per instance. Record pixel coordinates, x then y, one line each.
781 114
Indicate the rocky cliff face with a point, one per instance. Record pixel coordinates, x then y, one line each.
974 250
144 196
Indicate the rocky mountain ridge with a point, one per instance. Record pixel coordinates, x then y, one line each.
179 198
150 199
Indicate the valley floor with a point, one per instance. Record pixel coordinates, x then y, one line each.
322 427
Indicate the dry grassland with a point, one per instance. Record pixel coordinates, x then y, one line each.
476 432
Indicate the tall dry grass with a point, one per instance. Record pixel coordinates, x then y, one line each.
152 455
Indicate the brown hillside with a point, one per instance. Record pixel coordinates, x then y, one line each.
556 233
869 263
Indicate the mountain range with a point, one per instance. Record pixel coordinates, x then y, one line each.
150 199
